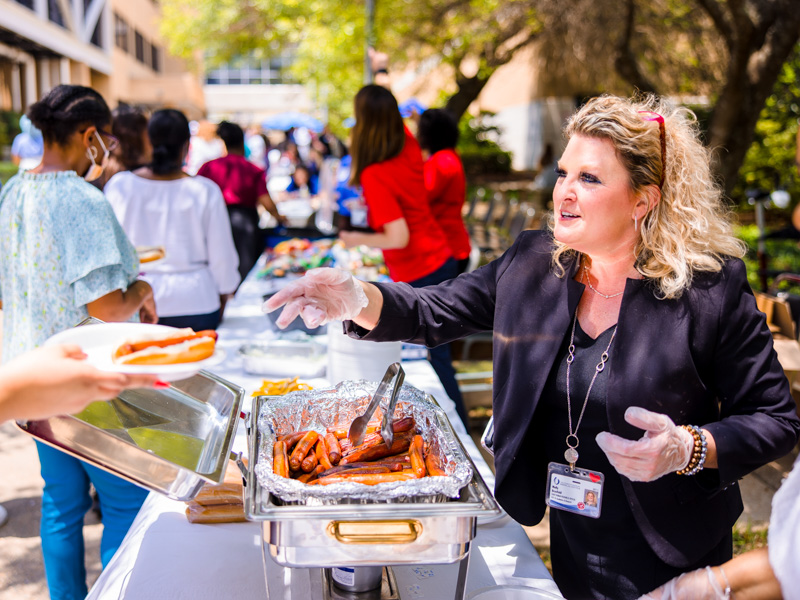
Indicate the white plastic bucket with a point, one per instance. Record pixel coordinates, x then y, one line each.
349 358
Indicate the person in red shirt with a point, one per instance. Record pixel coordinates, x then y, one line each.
244 187
445 182
387 163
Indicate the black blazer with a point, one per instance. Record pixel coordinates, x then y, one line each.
706 359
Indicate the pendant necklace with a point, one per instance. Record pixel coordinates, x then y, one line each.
571 453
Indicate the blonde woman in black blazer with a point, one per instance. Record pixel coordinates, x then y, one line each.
629 334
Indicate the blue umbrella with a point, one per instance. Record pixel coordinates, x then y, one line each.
410 106
289 119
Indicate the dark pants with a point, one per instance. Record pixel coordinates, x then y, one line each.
247 236
441 356
196 322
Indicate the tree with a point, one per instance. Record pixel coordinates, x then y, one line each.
728 50
471 37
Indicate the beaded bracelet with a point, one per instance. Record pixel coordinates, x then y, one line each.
699 451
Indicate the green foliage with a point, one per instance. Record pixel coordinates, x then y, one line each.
770 161
479 152
330 36
9 126
7 169
746 538
783 255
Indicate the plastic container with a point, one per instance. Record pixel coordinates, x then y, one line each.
350 358
301 358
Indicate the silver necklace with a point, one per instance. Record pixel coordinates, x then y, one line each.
571 453
591 287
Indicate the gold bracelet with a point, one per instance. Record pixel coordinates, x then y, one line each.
699 451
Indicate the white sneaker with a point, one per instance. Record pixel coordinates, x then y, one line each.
3 515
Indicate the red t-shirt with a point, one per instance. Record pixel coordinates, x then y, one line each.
395 189
447 191
240 180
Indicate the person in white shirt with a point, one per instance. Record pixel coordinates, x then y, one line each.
160 205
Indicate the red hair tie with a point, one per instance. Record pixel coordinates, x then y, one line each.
654 116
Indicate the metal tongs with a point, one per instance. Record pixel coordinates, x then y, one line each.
359 425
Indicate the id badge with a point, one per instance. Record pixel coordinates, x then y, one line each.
579 491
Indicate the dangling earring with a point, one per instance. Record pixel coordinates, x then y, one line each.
635 223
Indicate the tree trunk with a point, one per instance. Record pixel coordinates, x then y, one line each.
469 88
755 63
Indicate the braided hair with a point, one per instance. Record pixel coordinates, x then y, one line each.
169 131
64 109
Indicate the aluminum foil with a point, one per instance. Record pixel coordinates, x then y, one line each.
337 407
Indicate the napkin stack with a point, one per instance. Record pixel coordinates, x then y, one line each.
219 503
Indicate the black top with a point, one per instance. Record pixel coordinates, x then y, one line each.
705 358
592 558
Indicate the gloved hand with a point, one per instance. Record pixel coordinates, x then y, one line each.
320 296
663 449
701 584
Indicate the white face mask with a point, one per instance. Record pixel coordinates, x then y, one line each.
95 170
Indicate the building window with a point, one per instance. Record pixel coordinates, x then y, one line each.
97 34
121 33
26 3
54 12
252 71
139 43
156 64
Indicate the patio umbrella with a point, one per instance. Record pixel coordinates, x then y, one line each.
287 120
410 106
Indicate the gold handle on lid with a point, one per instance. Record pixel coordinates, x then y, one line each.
375 532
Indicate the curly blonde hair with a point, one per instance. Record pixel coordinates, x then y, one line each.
689 230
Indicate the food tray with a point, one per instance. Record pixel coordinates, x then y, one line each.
337 407
365 531
169 441
283 358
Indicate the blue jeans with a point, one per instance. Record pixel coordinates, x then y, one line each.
64 503
441 357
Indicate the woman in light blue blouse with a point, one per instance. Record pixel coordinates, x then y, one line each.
64 258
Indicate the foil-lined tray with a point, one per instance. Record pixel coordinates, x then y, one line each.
337 407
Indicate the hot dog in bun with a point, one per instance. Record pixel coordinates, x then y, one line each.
150 253
173 347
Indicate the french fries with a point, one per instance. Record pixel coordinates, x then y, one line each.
280 387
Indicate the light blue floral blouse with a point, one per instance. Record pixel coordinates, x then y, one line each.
61 247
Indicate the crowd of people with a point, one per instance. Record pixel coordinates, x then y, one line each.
629 356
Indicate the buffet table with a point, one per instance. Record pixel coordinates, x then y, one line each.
165 556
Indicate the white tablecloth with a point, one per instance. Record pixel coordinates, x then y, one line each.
165 556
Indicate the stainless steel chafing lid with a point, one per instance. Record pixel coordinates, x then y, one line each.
170 441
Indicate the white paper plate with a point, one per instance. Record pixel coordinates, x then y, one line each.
511 592
99 340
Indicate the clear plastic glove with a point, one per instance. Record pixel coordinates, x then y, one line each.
320 296
664 448
701 584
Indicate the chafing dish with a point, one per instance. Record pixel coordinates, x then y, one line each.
325 532
170 440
